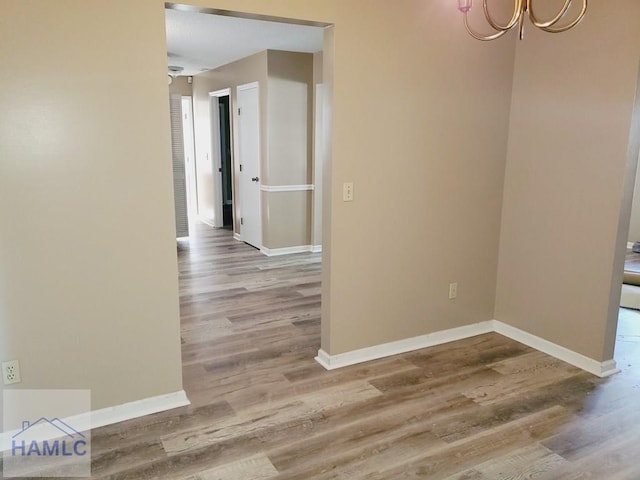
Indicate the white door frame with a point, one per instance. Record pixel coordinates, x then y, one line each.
216 159
190 155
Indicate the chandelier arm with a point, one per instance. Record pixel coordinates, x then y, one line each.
570 25
479 36
518 12
540 24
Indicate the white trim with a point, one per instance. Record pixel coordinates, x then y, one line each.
237 236
119 413
207 221
248 86
274 252
331 362
221 93
630 296
600 369
286 188
216 160
316 248
139 408
629 245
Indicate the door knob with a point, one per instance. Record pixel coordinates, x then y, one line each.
254 179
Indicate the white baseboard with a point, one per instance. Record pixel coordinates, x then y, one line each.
629 245
316 248
207 221
630 296
286 188
274 252
107 416
331 362
600 369
237 236
139 408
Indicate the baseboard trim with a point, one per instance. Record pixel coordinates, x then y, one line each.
286 188
139 408
331 362
316 249
275 252
207 221
600 369
110 415
237 236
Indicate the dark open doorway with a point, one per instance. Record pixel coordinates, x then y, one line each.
225 161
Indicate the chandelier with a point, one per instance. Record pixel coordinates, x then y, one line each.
521 9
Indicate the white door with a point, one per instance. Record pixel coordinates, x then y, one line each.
249 164
189 156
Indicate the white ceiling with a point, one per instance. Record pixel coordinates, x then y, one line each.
202 41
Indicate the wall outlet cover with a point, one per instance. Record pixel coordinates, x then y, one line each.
11 372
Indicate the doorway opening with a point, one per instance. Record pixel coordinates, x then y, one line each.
222 157
217 85
225 161
627 338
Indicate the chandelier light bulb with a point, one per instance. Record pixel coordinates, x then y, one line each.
465 5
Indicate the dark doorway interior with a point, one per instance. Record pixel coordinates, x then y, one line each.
225 155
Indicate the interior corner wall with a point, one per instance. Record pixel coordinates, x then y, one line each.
181 86
88 261
287 214
285 80
247 70
420 117
569 167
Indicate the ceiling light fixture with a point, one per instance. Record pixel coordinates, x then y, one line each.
174 71
521 9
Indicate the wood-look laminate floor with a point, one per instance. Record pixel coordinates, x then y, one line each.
486 408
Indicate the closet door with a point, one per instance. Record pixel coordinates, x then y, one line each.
249 160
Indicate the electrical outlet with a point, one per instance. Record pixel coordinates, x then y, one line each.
453 290
11 372
347 192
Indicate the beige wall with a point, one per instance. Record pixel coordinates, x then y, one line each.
285 79
569 175
88 274
247 70
182 86
289 118
420 118
427 167
287 215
